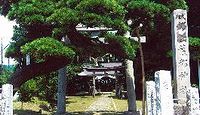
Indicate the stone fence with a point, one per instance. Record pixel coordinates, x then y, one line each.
159 97
6 100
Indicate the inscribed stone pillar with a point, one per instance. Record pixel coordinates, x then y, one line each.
180 54
193 101
150 98
164 97
7 96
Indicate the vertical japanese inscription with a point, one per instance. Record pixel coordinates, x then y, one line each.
193 101
150 98
7 100
181 53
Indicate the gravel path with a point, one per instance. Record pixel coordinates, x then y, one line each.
103 104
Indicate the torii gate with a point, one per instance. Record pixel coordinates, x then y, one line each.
95 73
132 97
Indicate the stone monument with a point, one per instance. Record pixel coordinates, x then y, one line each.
150 98
164 97
7 100
180 48
193 101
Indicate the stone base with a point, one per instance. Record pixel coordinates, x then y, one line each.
132 113
180 109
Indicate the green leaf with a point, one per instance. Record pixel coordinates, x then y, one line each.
28 12
194 41
64 16
41 48
127 45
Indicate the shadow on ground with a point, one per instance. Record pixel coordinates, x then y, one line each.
94 113
25 112
29 112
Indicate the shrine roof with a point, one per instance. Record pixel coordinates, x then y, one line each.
97 69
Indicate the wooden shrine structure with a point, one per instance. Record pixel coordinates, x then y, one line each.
97 79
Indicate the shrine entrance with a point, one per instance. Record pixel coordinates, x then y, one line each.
108 78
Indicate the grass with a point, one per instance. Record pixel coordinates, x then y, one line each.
75 105
28 108
79 103
122 104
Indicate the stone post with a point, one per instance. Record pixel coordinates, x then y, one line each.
150 98
7 100
116 84
180 54
193 101
164 97
61 105
130 82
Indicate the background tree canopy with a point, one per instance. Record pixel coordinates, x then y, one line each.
43 24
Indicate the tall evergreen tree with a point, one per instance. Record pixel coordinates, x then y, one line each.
46 22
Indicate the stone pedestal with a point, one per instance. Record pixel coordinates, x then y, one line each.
132 113
180 109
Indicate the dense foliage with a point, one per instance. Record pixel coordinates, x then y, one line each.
5 74
42 48
66 14
194 41
27 91
195 47
45 87
116 41
45 23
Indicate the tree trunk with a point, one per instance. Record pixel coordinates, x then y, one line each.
61 105
130 82
28 72
93 86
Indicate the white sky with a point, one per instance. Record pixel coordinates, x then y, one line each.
6 32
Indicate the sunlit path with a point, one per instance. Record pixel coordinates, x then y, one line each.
102 104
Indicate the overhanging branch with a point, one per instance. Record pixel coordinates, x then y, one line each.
28 72
79 40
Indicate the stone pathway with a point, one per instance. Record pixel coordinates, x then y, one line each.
103 104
